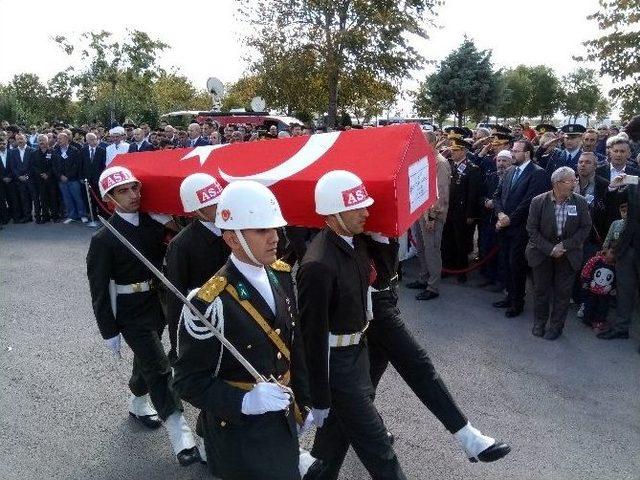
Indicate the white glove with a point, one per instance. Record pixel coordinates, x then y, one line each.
308 422
319 416
265 397
113 344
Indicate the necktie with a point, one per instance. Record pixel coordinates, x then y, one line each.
515 177
91 154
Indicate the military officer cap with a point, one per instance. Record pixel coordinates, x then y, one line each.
500 138
130 125
573 129
459 143
458 132
545 127
501 129
13 128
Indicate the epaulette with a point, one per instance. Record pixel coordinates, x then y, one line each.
210 290
281 266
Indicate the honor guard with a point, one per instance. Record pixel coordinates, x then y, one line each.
390 341
198 251
125 302
333 283
249 428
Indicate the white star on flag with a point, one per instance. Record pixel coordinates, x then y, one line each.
203 152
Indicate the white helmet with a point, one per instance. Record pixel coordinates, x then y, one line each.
114 176
247 204
340 191
199 190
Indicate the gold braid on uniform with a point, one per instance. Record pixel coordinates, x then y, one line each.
210 290
281 266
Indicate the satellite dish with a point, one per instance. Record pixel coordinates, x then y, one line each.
215 87
258 104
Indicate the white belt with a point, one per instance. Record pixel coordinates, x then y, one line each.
346 339
392 283
134 287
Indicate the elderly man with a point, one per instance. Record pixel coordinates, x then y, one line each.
170 135
139 143
93 163
429 234
45 181
117 146
195 136
558 224
67 167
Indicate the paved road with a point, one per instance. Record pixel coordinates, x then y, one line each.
569 408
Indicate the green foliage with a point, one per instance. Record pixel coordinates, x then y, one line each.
463 84
616 49
338 38
582 94
240 93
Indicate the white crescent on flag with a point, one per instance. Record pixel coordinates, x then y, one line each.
316 147
203 152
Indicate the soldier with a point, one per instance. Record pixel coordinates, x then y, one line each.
333 281
572 149
464 208
249 429
125 302
198 251
390 341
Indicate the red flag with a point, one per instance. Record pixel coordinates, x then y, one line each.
396 164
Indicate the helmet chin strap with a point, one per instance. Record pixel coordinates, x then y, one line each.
245 247
116 202
343 225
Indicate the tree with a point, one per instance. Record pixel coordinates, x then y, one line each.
464 83
616 49
346 35
581 93
366 96
175 92
240 93
516 93
546 92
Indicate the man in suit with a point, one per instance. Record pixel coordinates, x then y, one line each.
523 181
558 224
139 143
20 162
464 208
627 263
45 181
195 136
7 197
589 142
572 149
67 167
619 155
94 158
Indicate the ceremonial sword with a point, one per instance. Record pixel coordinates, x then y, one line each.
227 344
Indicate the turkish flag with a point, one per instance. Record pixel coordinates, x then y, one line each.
396 164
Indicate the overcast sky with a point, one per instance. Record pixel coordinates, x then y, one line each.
203 35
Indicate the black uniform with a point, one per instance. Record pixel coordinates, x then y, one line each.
139 316
464 195
239 446
193 256
47 188
333 280
390 341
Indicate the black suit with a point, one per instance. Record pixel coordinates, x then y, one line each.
143 147
513 199
5 202
615 198
193 256
92 168
47 187
26 189
200 142
241 446
333 279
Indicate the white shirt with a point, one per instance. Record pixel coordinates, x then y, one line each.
615 172
21 151
211 226
257 276
3 157
113 150
134 218
349 240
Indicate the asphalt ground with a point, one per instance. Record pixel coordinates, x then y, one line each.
570 409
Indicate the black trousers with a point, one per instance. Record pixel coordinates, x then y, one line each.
141 323
263 447
390 341
4 206
28 197
13 200
49 202
513 244
353 419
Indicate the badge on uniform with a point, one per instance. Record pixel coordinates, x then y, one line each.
589 198
243 293
273 278
572 210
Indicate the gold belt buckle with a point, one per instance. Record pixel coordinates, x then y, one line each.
352 340
137 287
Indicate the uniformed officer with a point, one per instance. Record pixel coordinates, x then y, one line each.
464 208
333 281
125 302
567 157
249 428
198 251
390 341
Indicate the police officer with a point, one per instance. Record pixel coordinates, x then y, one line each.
390 341
249 428
333 281
125 302
198 251
567 157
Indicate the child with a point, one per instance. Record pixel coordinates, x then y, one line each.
598 279
616 227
